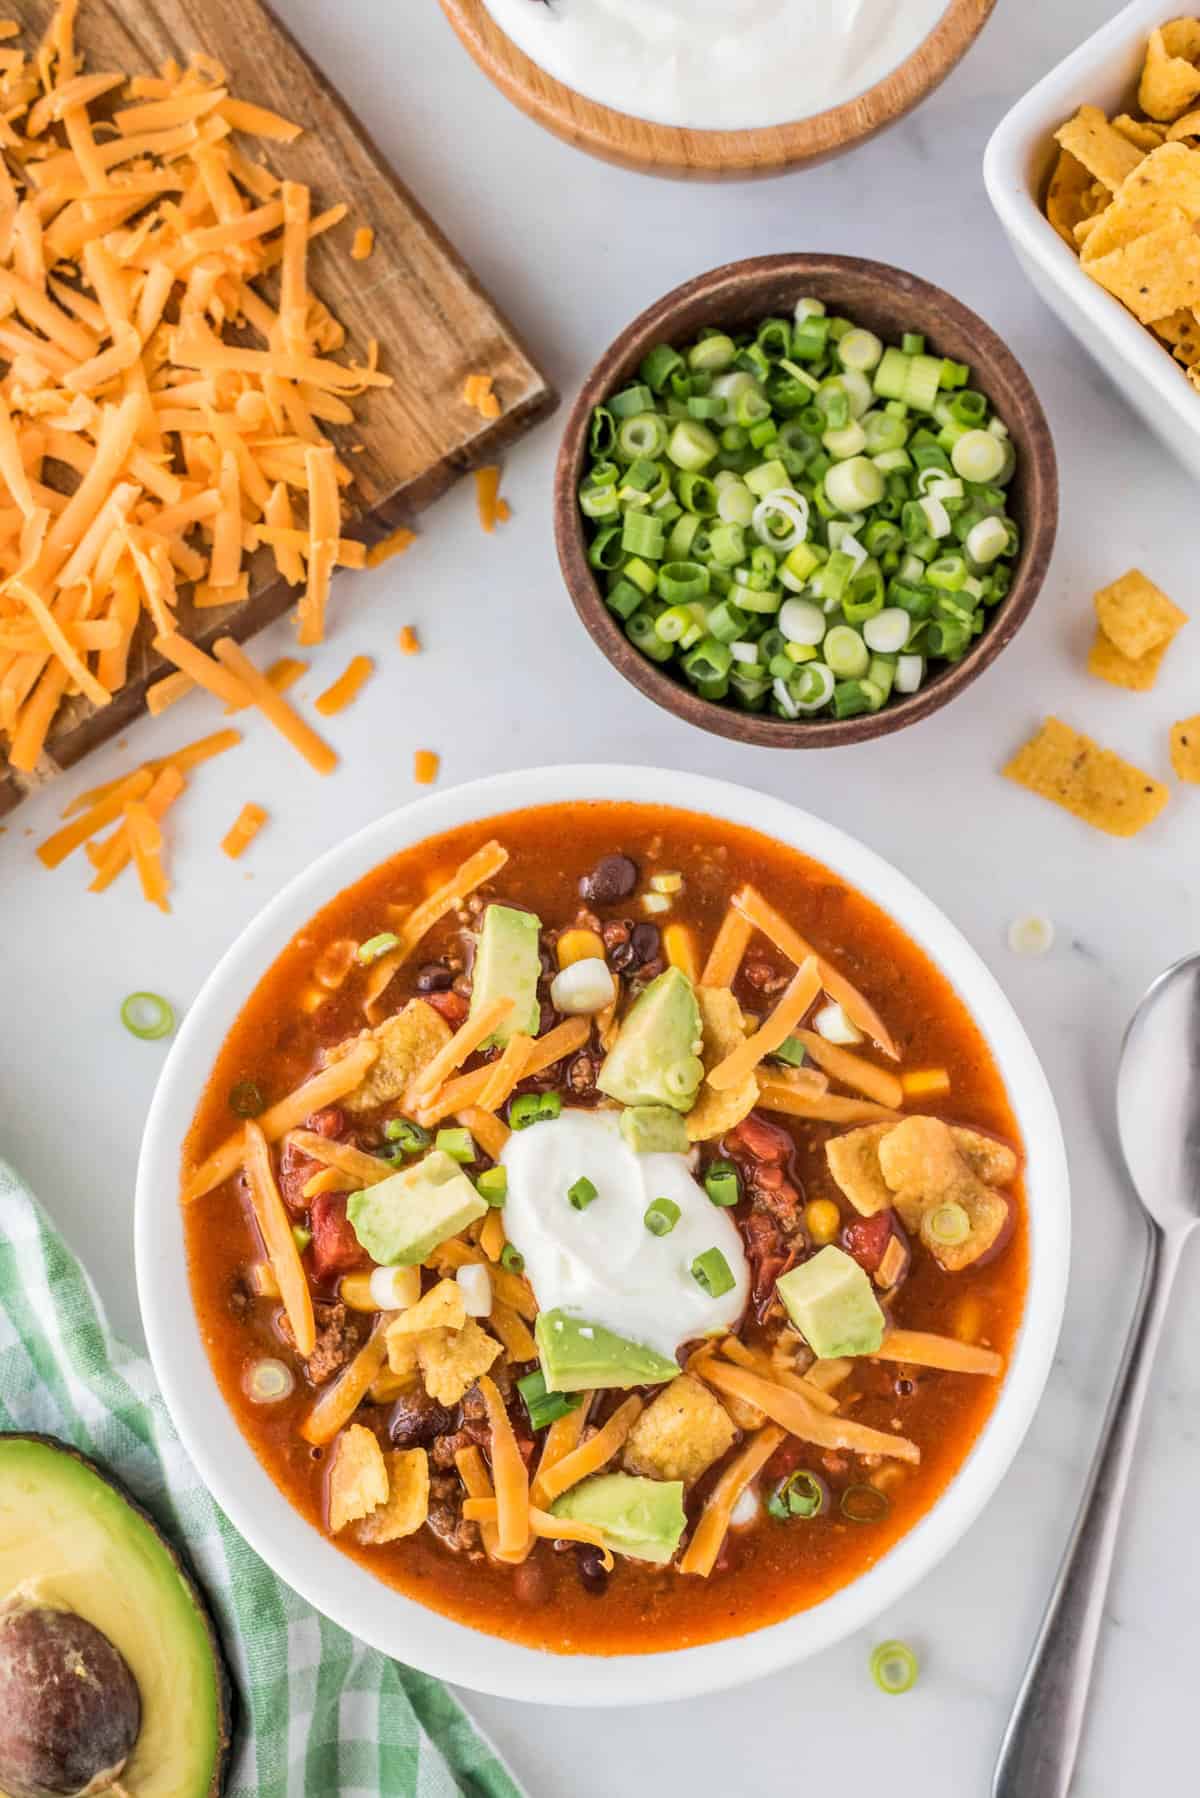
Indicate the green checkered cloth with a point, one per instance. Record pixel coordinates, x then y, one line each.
320 1715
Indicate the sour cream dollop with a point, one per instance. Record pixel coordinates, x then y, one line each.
718 64
602 1264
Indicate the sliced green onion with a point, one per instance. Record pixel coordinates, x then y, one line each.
408 1137
864 1504
147 1016
492 1186
246 1100
301 1236
894 1668
375 946
946 1226
581 1193
722 1183
712 1274
661 1217
545 1407
512 1259
801 1494
791 1052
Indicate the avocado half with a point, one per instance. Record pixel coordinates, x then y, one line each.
72 1539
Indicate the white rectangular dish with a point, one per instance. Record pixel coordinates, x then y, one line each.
1017 163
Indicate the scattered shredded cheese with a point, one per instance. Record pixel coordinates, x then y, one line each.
140 450
410 643
477 392
242 833
387 547
364 243
487 495
426 763
346 688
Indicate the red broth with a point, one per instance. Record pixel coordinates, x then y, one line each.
766 1571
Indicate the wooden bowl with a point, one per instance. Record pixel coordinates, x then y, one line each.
888 301
715 155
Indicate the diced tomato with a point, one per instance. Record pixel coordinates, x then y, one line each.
765 1142
295 1170
452 1006
867 1239
335 1247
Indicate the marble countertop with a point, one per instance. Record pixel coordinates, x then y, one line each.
572 249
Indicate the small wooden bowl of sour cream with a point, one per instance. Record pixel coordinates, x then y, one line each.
712 89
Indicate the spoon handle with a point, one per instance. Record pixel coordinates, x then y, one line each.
1037 1757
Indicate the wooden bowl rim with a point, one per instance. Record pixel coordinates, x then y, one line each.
994 364
673 149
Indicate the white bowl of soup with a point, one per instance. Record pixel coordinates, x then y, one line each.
620 1249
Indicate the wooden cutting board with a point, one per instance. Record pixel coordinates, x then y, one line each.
434 323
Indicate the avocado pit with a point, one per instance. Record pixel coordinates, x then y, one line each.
70 1709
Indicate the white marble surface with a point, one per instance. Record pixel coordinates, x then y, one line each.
572 249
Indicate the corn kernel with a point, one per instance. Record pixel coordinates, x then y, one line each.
680 946
262 1279
355 1291
925 1083
822 1220
666 883
579 945
653 903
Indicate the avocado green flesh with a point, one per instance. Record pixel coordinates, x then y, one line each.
577 1356
71 1539
637 1517
832 1303
404 1218
654 1130
656 1057
508 966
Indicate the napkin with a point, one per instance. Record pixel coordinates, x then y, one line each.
320 1715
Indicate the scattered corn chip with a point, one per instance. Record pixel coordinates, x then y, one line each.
1185 749
1136 616
1108 663
1097 786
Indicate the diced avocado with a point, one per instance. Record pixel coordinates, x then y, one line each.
406 1216
579 1357
637 1517
832 1303
508 966
654 1129
656 1057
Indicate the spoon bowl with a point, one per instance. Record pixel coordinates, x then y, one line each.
1158 1097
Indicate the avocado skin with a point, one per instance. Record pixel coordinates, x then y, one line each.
225 1691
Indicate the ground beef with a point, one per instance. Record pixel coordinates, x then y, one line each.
582 1070
769 1256
338 1338
445 1515
444 1449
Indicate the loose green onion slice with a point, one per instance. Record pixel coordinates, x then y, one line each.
581 1193
458 1144
492 1185
712 1273
545 1407
512 1259
301 1236
408 1137
661 1217
533 1108
722 1184
894 1667
375 946
246 1100
791 1051
148 1016
801 1494
864 1504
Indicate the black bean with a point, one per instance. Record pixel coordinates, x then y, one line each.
622 958
590 1562
646 941
434 977
416 1419
614 877
531 1581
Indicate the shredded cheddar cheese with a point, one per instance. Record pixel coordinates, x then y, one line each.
426 763
161 414
346 688
364 243
242 833
387 547
410 643
487 495
477 392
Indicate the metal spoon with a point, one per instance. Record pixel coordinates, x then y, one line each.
1158 1117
